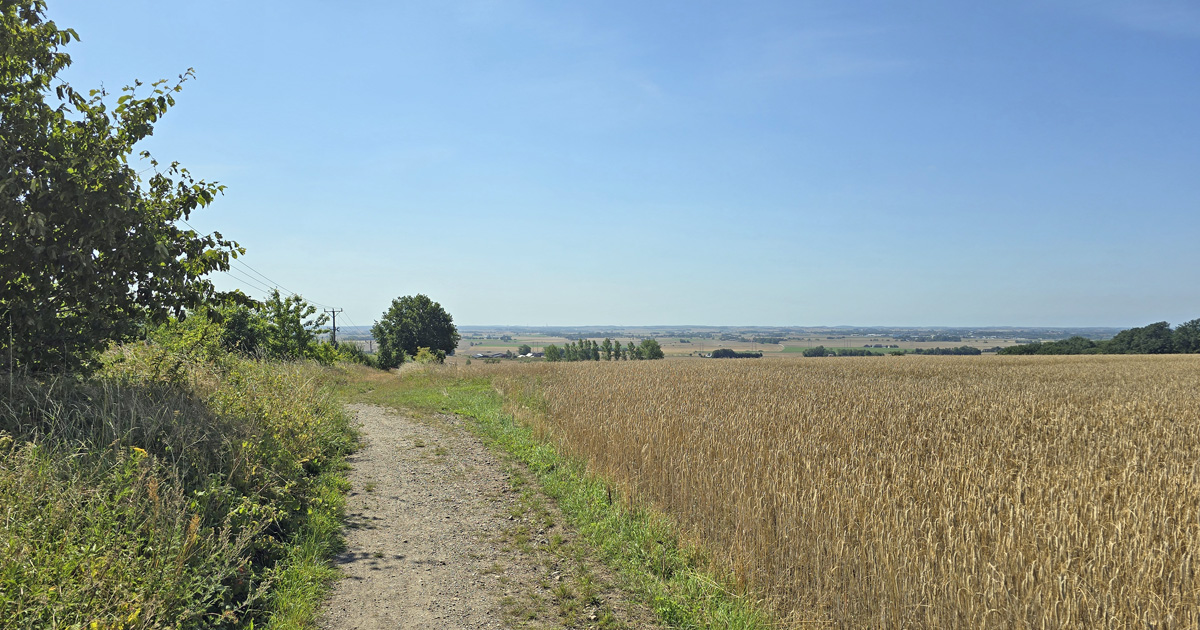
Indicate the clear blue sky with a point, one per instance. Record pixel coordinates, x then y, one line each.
623 163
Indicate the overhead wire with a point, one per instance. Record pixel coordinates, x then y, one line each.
244 283
247 280
269 282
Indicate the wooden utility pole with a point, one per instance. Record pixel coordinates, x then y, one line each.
333 332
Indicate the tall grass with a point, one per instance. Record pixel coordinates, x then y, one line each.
914 492
151 497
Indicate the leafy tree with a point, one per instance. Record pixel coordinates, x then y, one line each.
277 328
413 321
553 353
290 328
607 348
631 352
524 349
650 349
89 251
242 329
1155 338
819 351
1187 337
618 352
1073 345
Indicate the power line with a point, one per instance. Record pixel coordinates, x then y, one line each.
273 283
269 282
244 283
247 280
241 263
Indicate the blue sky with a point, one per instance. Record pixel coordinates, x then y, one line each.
625 163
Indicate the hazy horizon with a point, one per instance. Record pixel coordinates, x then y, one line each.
751 326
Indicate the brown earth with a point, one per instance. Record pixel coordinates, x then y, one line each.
443 534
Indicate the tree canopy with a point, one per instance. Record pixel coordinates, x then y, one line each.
89 250
277 328
413 322
1156 338
610 350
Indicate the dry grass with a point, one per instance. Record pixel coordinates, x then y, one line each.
914 491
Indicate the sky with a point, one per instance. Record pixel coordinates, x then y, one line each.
672 163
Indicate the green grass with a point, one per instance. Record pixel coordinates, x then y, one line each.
640 545
306 573
175 489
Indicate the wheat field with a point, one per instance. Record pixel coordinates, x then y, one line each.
913 491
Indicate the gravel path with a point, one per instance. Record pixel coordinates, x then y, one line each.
426 504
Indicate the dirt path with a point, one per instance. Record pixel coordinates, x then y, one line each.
437 537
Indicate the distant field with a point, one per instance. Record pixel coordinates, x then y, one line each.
494 343
799 349
926 492
697 346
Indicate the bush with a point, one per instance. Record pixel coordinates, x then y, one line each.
160 493
426 356
353 353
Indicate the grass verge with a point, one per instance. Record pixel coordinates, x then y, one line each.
170 491
671 576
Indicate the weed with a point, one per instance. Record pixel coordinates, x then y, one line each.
205 495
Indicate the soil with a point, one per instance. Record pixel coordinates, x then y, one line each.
438 535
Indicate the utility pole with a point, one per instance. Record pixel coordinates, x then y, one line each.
333 333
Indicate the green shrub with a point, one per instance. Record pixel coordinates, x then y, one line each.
353 353
426 356
164 491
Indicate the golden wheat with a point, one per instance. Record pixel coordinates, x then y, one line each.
916 491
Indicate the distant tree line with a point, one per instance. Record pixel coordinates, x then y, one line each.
769 340
935 337
610 350
852 352
1156 338
961 350
822 351
726 353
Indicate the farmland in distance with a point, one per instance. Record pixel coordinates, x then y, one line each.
911 491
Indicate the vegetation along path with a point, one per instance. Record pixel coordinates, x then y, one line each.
442 534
